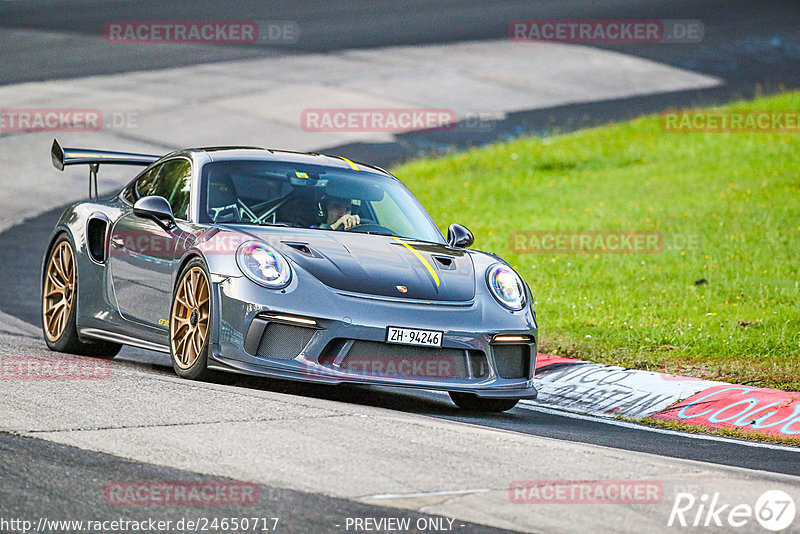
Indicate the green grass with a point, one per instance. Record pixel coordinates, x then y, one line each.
736 194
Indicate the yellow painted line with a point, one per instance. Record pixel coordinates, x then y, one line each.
423 260
352 165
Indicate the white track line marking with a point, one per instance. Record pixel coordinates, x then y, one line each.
426 494
645 428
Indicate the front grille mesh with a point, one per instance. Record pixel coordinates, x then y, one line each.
512 361
284 341
405 361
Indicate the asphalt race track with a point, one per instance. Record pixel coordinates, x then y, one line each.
319 455
80 488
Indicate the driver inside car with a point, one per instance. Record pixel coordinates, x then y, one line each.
337 213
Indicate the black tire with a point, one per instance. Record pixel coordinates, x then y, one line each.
66 338
198 368
473 403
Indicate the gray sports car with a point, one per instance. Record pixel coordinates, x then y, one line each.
288 265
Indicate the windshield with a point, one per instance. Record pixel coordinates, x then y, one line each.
311 196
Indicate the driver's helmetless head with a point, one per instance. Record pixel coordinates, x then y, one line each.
336 208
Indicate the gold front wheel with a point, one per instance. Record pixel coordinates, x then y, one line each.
188 329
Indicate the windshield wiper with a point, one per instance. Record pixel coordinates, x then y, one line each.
283 224
372 232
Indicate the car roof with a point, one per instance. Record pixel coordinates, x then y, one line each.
234 153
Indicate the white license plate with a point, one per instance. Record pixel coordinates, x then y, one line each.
412 336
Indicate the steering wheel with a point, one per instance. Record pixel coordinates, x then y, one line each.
368 225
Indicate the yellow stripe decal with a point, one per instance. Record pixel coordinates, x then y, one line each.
423 260
352 165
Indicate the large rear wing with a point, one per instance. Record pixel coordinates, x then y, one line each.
63 157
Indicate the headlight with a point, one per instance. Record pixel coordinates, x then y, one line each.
263 265
506 286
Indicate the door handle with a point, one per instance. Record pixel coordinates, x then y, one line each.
117 242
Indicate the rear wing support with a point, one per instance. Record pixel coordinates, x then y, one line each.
93 168
63 157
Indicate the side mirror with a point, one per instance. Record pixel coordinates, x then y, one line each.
156 208
458 236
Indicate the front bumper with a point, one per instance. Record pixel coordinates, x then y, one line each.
309 332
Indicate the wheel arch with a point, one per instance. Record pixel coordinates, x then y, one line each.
189 256
58 231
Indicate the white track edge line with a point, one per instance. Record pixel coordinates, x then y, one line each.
638 426
425 494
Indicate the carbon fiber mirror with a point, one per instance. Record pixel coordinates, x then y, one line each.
459 236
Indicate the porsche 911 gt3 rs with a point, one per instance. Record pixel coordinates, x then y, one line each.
287 265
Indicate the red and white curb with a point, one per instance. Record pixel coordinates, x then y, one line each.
609 391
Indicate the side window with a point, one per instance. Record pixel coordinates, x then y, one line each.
145 183
171 180
129 194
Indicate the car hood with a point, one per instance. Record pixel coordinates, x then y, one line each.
380 265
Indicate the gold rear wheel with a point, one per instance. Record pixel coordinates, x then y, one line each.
58 294
191 309
60 305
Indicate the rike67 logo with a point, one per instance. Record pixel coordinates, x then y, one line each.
774 510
